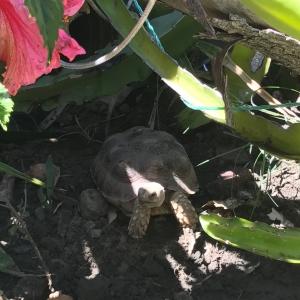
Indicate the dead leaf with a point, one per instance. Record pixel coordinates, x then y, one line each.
112 215
59 296
251 268
275 215
230 203
39 171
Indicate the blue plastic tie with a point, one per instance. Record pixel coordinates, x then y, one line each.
148 25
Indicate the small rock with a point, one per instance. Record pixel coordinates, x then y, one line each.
93 205
182 296
39 213
207 257
30 288
123 268
199 136
89 225
213 267
29 151
89 151
22 249
94 289
203 269
65 217
68 202
58 296
196 255
152 267
135 291
95 233
123 239
52 244
124 108
160 257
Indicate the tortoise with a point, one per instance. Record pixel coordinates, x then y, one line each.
146 172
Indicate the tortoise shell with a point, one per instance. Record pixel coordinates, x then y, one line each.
140 155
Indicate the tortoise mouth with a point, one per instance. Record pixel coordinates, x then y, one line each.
151 195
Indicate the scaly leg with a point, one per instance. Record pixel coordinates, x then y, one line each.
183 210
139 221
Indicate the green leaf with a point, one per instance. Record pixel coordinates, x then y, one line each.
255 237
48 15
267 135
49 176
10 170
191 119
245 58
193 91
6 107
7 265
70 85
283 15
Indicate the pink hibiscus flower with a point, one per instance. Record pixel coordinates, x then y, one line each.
21 45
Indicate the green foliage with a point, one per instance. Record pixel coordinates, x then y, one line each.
48 15
284 15
10 170
70 85
7 265
282 143
191 119
255 237
6 106
194 92
244 57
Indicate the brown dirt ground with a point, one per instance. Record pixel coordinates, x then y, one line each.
159 266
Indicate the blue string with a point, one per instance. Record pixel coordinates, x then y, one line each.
148 25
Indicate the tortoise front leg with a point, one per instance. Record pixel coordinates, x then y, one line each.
139 220
183 210
150 195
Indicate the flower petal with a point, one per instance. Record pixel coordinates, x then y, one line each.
21 47
68 46
72 6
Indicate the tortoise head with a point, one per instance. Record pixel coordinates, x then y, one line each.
151 194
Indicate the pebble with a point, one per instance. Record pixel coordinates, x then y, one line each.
160 257
89 225
93 289
124 108
92 204
196 255
95 233
213 267
199 136
22 249
30 288
182 296
52 244
207 257
39 213
68 202
123 268
152 267
203 269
